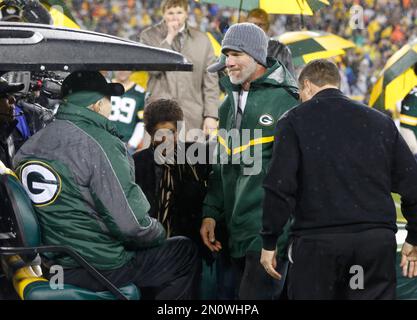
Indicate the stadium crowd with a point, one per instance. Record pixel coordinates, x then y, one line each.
387 25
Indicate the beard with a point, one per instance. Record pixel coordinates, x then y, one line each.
245 73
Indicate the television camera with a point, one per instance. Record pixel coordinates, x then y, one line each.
40 98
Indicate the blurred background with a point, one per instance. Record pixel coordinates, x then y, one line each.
386 26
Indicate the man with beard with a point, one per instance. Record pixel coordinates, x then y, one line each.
259 91
276 49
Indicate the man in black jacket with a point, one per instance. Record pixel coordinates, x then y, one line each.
7 121
334 166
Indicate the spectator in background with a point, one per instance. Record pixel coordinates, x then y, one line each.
276 49
127 111
197 92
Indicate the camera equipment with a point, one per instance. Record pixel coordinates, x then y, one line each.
24 11
40 97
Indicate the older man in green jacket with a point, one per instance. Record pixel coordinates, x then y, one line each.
81 181
259 91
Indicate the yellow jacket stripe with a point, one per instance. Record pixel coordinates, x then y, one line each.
412 121
246 146
224 144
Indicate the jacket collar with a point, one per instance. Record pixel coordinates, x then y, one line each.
76 114
331 92
276 75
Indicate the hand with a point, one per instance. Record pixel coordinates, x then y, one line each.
409 260
209 125
207 234
269 261
173 29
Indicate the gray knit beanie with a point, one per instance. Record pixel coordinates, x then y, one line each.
248 38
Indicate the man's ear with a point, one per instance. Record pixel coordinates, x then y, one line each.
96 106
307 85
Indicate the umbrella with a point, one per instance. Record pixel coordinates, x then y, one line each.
60 13
304 7
311 45
217 47
396 79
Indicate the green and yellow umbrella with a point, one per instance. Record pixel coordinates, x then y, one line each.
217 47
311 45
396 79
60 13
304 7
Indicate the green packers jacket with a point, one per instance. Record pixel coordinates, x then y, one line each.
81 181
235 192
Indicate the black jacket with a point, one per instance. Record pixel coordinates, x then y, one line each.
335 163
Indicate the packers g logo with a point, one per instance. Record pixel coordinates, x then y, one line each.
41 182
266 120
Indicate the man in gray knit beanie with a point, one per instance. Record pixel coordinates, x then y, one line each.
245 46
248 38
258 91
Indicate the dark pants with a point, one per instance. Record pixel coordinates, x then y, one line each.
329 266
171 270
253 283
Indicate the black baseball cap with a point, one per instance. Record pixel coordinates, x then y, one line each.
9 88
90 81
